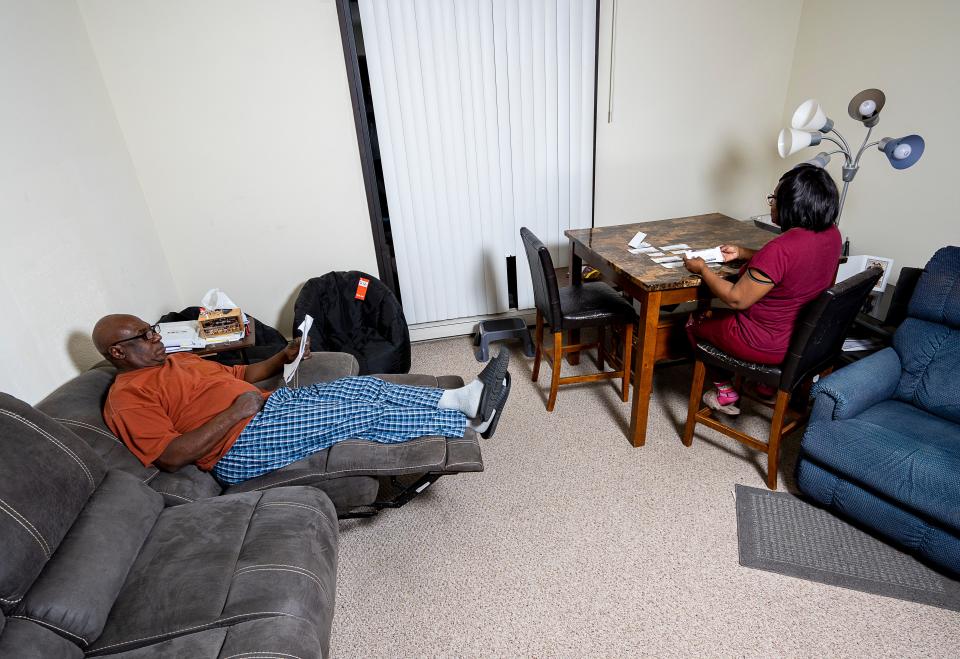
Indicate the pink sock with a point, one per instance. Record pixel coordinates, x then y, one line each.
726 394
765 390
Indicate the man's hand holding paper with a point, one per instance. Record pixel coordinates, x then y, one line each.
297 349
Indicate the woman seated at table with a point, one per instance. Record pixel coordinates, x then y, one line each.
775 283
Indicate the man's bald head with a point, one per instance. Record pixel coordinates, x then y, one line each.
123 339
113 328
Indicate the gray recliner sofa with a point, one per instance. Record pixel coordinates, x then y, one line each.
94 564
359 476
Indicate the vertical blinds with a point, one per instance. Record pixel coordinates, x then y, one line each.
484 113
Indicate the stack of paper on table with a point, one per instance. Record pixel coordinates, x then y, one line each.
180 336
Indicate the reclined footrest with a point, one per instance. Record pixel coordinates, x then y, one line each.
394 492
398 490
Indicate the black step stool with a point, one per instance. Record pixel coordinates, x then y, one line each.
498 330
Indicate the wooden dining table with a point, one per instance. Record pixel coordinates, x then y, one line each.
654 285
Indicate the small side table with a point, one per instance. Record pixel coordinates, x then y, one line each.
498 330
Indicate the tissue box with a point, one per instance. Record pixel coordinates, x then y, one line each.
220 324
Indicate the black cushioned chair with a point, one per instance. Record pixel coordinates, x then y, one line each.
592 304
372 329
816 342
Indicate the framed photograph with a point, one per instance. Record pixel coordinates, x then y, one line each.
860 263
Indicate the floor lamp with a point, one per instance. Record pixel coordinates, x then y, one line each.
810 126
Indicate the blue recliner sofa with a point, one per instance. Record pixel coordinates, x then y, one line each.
883 444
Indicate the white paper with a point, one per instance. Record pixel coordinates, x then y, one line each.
677 246
712 255
181 335
666 259
226 338
679 264
291 368
853 345
651 251
637 240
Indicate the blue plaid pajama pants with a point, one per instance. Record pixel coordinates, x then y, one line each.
295 423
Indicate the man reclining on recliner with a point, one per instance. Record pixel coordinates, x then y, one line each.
180 409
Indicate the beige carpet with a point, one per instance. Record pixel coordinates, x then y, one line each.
573 543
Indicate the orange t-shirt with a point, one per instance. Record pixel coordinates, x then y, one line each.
150 407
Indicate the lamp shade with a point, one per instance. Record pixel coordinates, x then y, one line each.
821 160
810 116
792 140
866 106
902 152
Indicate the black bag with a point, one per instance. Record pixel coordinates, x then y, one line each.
267 340
373 329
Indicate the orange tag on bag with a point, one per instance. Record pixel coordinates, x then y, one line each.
362 289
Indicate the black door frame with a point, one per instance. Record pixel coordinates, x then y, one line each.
382 249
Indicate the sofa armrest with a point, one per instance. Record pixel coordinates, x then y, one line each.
846 393
321 367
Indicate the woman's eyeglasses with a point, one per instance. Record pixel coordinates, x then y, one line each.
147 335
771 198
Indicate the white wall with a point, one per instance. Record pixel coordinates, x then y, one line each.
238 119
911 52
698 88
77 240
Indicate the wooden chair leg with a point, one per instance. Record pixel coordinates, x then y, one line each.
773 444
601 347
627 364
696 391
538 339
555 374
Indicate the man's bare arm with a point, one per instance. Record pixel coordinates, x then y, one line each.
191 446
274 365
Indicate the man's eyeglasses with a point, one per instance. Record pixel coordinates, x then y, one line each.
147 335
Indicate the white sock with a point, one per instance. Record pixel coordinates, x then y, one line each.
466 399
481 426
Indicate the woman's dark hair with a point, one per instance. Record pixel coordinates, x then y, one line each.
807 198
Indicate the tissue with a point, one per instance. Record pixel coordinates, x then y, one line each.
217 299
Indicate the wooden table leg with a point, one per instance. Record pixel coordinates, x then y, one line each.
643 367
574 274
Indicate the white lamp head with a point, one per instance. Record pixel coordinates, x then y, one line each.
902 152
821 160
866 106
792 140
810 116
